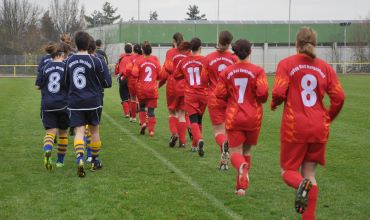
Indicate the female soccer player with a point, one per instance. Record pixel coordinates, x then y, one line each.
244 86
138 54
124 70
85 76
54 104
301 82
147 71
196 92
216 63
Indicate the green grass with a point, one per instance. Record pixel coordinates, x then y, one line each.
135 184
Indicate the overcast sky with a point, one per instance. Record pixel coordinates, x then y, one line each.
237 9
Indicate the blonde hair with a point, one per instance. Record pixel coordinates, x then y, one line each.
306 41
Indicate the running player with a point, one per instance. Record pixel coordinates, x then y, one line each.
124 70
138 53
147 71
196 92
244 86
216 63
301 82
85 76
54 104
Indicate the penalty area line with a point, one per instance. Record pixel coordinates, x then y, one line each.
217 203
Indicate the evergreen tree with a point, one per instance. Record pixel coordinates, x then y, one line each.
194 12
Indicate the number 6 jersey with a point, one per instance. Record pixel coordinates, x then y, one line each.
301 82
244 86
53 89
86 75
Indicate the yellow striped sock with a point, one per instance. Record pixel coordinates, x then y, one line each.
95 148
79 146
62 144
49 141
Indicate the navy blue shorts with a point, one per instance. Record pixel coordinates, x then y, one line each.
55 119
84 117
123 90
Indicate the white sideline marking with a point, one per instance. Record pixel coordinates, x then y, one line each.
172 167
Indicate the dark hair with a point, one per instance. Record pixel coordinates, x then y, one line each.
137 49
98 43
82 40
184 46
224 40
178 38
92 46
128 48
195 44
66 38
55 49
147 48
306 41
242 48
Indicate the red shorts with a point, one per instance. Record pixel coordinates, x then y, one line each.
180 103
292 155
195 104
171 95
131 88
237 138
149 103
216 109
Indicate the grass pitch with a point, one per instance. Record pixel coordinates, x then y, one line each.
143 178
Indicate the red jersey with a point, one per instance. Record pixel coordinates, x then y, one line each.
125 65
190 69
216 63
301 82
244 86
147 71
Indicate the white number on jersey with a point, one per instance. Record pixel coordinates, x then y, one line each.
54 85
79 79
221 68
194 75
309 84
242 83
149 73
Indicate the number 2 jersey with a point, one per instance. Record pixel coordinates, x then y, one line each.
244 86
50 80
86 76
301 82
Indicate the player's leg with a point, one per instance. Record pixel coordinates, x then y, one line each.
172 124
181 127
87 139
79 146
48 143
133 108
123 91
188 124
62 146
95 147
142 116
196 133
308 171
151 104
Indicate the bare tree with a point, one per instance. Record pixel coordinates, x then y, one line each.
361 49
67 15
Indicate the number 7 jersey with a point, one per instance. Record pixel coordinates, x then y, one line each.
301 82
244 86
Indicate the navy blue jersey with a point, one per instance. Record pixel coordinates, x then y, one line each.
52 85
86 76
44 60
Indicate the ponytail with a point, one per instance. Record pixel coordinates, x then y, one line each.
306 41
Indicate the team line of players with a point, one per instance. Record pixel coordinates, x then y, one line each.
234 90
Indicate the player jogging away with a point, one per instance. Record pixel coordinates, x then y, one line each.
301 82
216 63
85 76
244 86
133 105
195 91
147 71
54 113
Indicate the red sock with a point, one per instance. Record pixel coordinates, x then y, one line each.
237 160
172 122
309 214
126 109
133 109
292 178
182 132
151 123
188 124
142 117
220 139
197 135
201 128
247 159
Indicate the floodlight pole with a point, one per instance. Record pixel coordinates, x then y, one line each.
138 21
290 4
218 20
345 24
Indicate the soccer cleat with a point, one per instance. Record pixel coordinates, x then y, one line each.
181 145
173 140
47 160
96 165
190 134
80 168
89 159
142 129
200 148
151 133
240 192
133 120
127 116
59 164
242 180
301 198
194 149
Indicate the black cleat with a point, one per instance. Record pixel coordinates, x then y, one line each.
190 134
143 128
200 148
80 169
173 140
96 165
301 198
